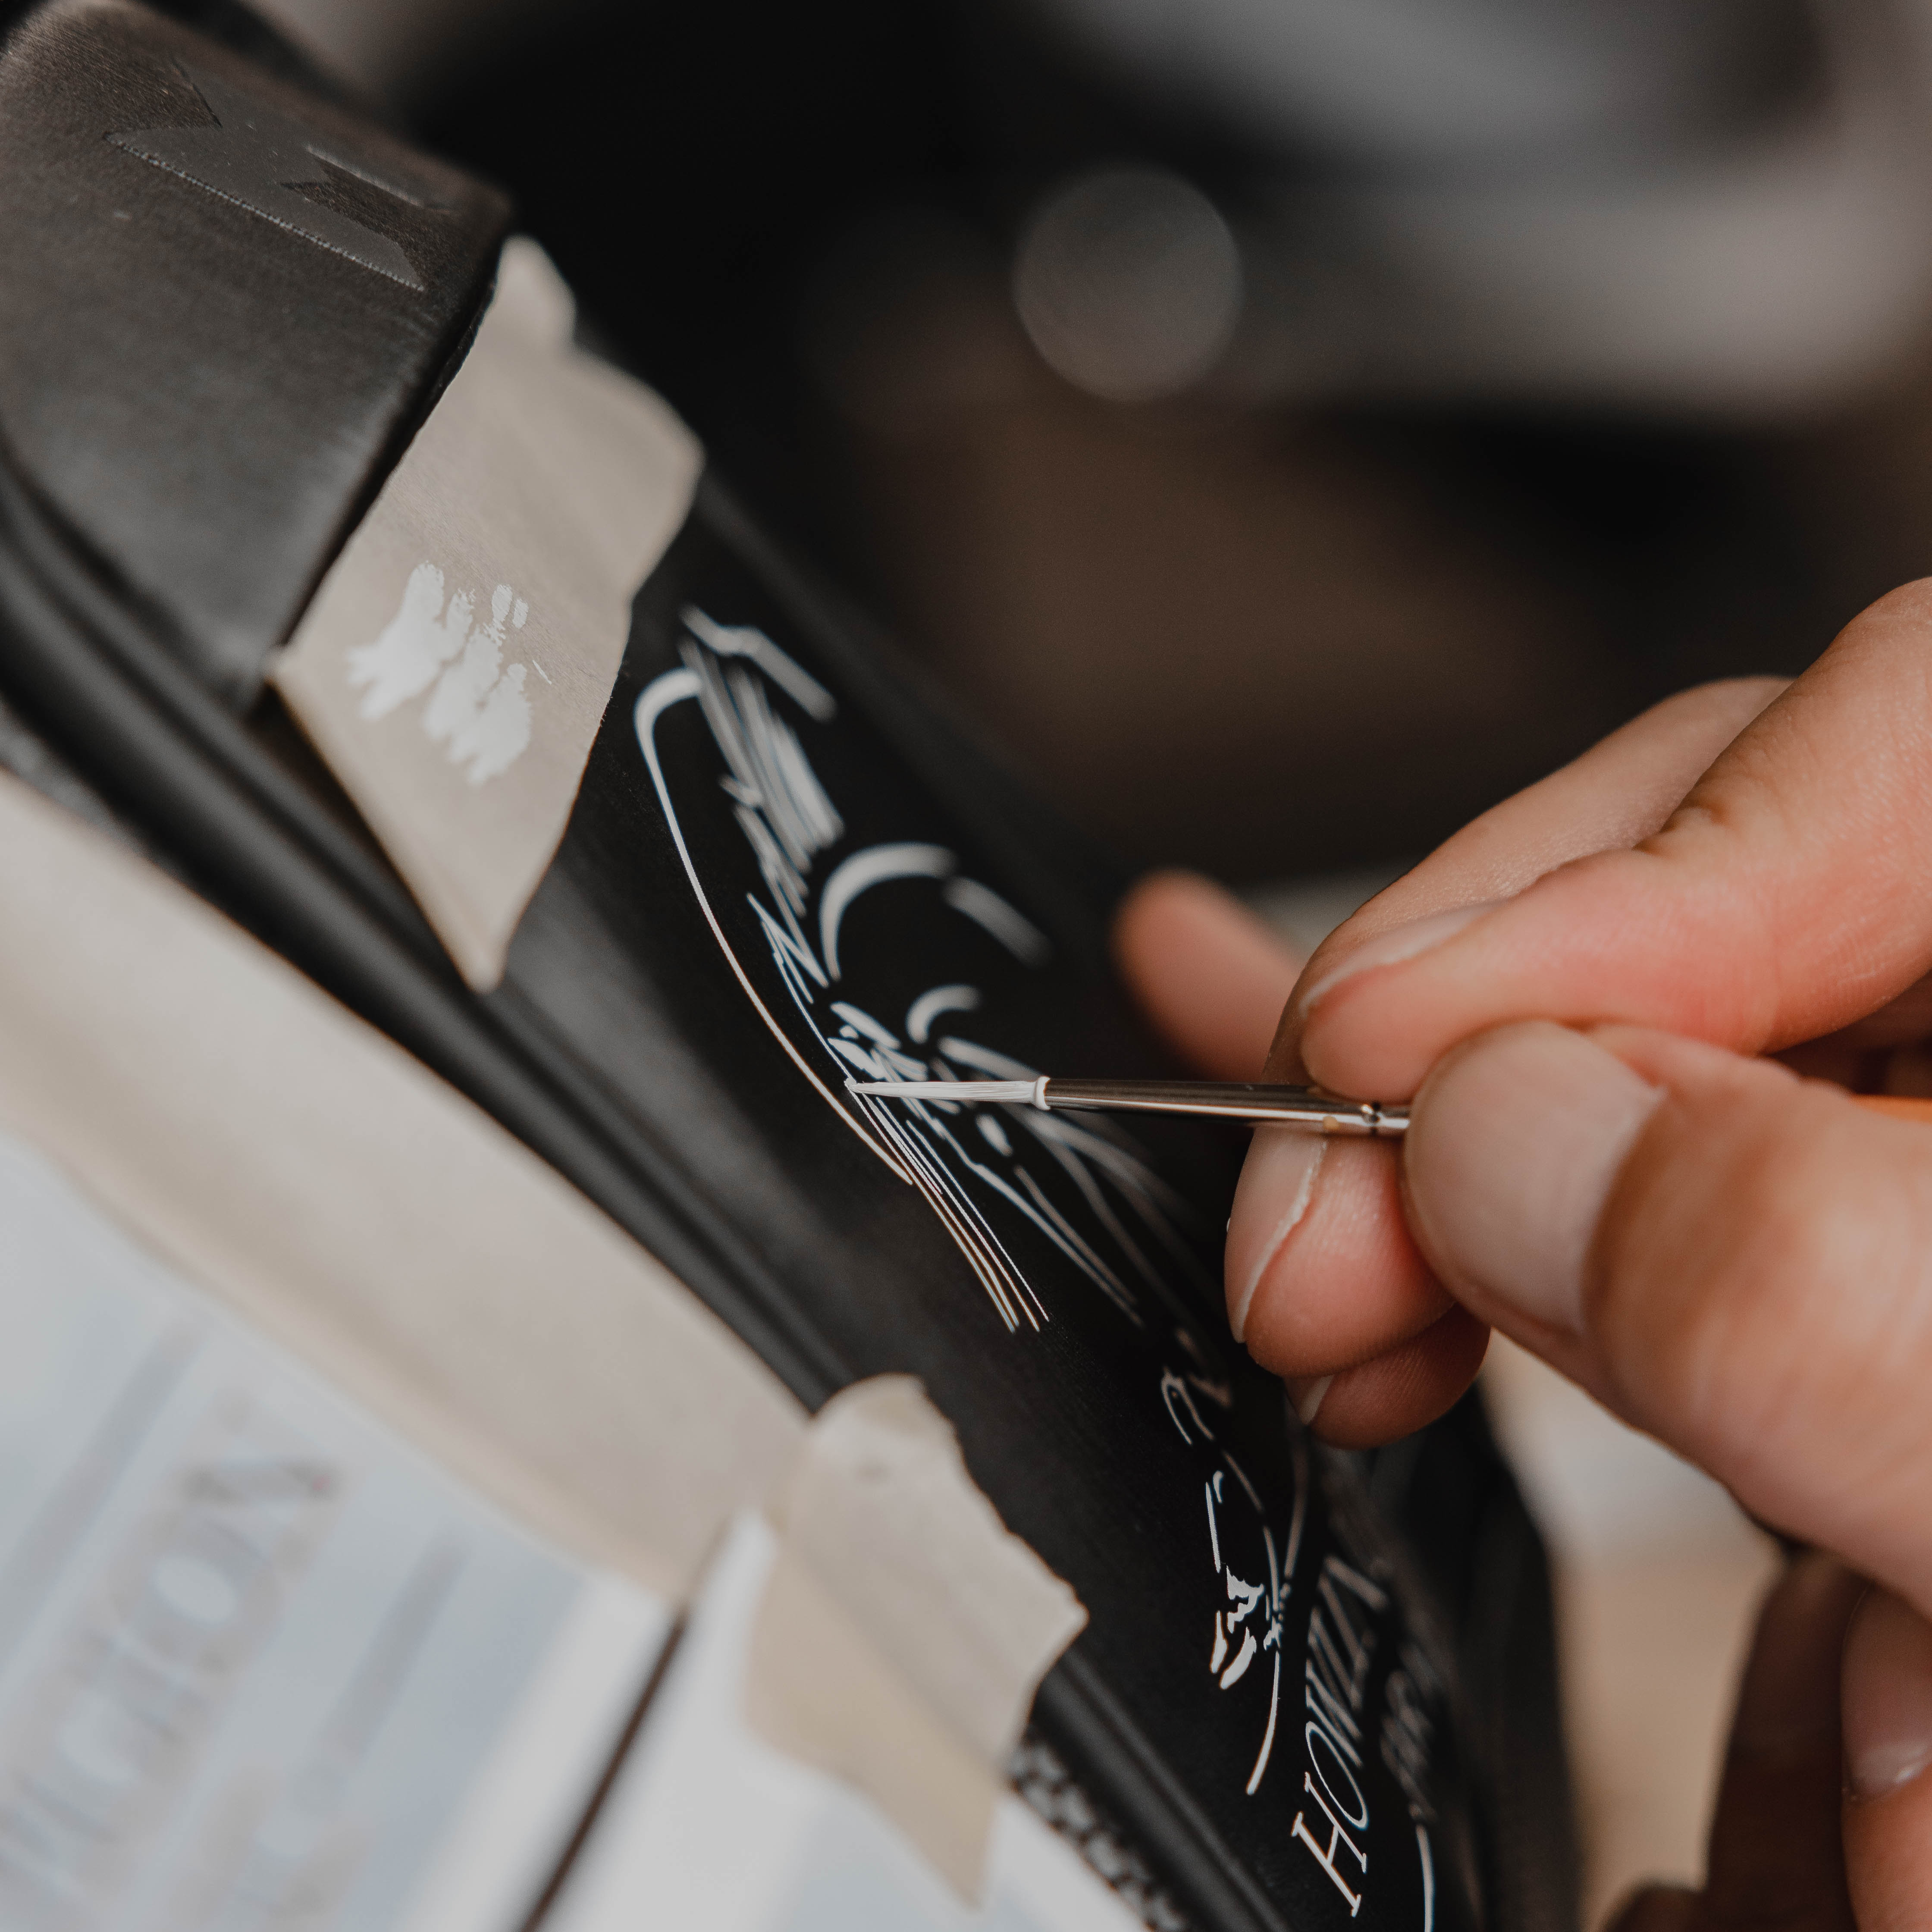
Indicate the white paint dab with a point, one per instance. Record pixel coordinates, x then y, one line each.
478 711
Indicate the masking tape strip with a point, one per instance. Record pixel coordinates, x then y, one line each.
905 1629
301 1167
454 667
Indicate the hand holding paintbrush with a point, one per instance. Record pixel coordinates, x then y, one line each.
1573 996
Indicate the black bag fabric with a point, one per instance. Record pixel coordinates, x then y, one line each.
1315 1689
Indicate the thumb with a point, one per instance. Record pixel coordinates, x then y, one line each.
1735 1260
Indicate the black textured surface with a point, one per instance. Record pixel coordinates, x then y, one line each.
198 394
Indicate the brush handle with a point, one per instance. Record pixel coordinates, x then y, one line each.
1304 1107
1308 1107
1259 1103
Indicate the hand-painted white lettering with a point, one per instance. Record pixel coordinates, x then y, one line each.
738 677
1338 1840
1249 1626
1333 1768
1340 1652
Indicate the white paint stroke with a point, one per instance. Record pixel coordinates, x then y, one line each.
677 687
744 640
1017 933
928 1007
874 866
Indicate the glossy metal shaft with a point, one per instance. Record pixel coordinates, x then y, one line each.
1306 1107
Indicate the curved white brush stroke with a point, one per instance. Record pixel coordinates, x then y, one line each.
677 687
984 907
742 641
864 870
928 1007
1268 1737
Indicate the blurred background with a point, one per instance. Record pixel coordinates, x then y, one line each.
1284 427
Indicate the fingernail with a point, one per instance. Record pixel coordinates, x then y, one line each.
1790 1694
1399 942
1308 1396
1275 1186
1515 1143
1888 1696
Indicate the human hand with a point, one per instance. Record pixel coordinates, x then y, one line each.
1736 1259
1733 1258
1325 1285
1795 1845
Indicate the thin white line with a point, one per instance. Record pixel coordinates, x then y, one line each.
1298 1448
969 1227
919 1165
969 1212
674 687
745 641
1267 1738
1241 1477
1428 1879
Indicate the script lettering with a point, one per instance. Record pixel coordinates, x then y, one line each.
1338 1840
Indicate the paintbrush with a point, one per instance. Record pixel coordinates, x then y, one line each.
1257 1102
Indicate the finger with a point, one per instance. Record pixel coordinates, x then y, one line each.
1620 791
1321 1273
1209 974
1737 1261
1887 1730
1777 1856
1886 1052
1398 1391
1331 1278
1212 978
1783 899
